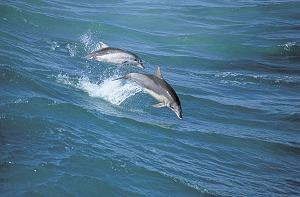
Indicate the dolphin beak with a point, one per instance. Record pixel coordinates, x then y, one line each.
141 65
179 115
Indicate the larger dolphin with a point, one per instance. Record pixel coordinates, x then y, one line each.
115 56
157 87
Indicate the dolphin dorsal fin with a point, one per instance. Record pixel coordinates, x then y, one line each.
103 45
158 73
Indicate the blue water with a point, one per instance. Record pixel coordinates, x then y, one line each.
67 129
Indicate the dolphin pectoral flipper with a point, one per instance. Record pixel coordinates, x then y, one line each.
159 105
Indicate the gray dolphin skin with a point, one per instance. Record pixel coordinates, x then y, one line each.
115 56
158 88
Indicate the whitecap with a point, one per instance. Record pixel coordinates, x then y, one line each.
287 46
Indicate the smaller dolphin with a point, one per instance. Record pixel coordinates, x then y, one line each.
158 88
115 56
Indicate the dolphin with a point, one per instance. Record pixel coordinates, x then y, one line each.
158 88
115 56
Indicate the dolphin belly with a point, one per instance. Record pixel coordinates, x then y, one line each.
158 97
115 58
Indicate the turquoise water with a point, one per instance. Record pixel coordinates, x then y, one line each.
67 129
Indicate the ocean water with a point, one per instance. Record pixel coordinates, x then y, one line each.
67 129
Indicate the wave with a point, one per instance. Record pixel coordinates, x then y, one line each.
11 76
248 78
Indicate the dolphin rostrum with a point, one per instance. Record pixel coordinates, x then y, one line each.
115 56
158 88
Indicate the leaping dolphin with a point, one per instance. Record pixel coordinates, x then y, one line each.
158 88
115 56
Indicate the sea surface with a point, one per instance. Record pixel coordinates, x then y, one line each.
67 129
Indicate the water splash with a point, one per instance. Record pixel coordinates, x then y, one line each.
86 39
54 45
72 48
64 79
90 43
112 91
